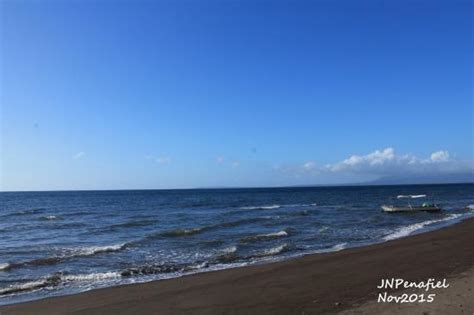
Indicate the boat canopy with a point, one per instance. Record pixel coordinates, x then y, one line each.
410 196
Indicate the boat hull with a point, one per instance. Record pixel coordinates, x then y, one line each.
410 209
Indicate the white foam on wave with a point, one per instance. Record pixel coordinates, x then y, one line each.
409 229
57 279
92 276
335 248
277 206
273 251
88 251
27 286
470 207
275 234
260 237
261 207
323 229
4 266
199 266
49 217
66 253
338 247
229 250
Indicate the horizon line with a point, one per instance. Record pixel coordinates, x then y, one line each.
242 187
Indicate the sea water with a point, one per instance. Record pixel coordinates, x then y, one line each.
56 243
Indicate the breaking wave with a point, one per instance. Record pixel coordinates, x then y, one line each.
196 230
273 251
338 247
263 237
92 276
29 286
93 250
335 248
227 255
162 268
409 229
4 266
261 207
69 254
55 280
277 206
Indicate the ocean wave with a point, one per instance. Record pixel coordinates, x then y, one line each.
57 279
78 213
303 213
323 229
272 251
134 223
4 266
227 255
32 285
409 229
242 222
334 248
196 266
277 206
24 212
68 254
212 243
229 250
182 232
92 276
62 278
470 207
162 268
261 207
197 230
93 250
120 226
49 217
296 205
338 247
264 237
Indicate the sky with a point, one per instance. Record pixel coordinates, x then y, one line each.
184 94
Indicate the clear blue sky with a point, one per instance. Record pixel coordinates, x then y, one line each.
173 94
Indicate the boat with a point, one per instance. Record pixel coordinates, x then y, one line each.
429 207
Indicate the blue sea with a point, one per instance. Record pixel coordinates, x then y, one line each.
57 243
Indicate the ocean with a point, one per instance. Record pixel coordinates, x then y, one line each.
58 243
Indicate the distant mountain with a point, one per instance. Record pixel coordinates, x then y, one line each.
450 178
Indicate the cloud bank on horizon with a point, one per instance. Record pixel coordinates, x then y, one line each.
387 162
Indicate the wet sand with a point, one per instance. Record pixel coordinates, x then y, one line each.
344 281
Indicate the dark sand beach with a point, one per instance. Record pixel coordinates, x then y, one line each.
344 281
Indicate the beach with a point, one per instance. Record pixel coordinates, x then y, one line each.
344 281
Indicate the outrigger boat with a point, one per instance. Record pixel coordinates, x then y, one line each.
430 207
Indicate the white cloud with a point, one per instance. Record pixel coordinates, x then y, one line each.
376 158
163 160
381 163
227 162
159 159
388 162
440 156
309 166
78 155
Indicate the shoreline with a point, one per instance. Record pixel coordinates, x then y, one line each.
314 283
